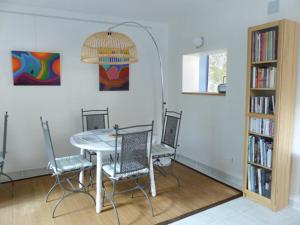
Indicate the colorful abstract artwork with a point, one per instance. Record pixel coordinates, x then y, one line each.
36 68
114 77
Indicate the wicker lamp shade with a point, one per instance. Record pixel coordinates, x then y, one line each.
110 48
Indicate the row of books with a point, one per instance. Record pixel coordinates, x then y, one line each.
263 77
261 126
264 46
262 104
259 181
260 151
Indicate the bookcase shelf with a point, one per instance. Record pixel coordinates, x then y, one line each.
260 115
259 165
264 62
259 135
270 104
258 198
263 89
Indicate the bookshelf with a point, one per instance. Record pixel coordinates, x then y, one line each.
270 104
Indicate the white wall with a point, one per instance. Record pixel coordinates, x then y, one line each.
213 127
79 88
190 73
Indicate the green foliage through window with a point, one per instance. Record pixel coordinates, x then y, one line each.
217 70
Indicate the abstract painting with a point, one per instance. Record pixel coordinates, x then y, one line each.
114 77
36 68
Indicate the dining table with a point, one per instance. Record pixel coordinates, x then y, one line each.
102 142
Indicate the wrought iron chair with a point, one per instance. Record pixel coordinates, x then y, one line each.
3 153
133 145
92 120
63 169
168 145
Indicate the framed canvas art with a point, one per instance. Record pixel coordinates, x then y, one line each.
36 68
114 77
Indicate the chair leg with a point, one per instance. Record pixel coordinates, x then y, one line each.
116 212
59 201
90 171
11 181
86 192
70 192
51 189
103 196
164 172
173 174
111 198
136 181
145 193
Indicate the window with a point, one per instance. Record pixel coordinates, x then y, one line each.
204 71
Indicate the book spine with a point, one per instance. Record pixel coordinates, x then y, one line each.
259 181
254 74
269 158
263 47
249 178
259 46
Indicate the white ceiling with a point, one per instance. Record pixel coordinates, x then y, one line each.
153 10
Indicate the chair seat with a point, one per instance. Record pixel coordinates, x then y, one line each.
1 159
69 163
109 170
162 151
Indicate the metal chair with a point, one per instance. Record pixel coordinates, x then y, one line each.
169 143
64 170
133 145
94 119
3 153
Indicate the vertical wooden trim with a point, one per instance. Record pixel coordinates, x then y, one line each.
248 80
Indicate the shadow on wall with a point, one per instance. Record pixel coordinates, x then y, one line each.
295 179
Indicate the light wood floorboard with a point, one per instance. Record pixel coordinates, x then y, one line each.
28 206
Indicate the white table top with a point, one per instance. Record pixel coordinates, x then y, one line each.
95 140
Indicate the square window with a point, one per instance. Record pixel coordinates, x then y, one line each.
203 72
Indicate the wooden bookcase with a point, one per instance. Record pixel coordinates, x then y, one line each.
264 183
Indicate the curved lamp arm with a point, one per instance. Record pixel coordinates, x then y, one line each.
163 103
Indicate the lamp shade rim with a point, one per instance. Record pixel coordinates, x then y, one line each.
109 47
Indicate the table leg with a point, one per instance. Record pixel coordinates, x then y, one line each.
152 178
99 183
81 175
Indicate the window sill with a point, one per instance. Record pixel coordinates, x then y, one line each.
204 93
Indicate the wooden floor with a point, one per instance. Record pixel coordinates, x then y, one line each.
28 206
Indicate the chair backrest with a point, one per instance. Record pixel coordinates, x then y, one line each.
94 119
171 126
136 145
3 152
49 145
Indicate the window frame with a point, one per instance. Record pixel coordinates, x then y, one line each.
207 54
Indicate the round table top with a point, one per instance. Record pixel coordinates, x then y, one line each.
95 140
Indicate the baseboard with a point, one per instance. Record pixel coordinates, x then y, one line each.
235 182
20 175
212 172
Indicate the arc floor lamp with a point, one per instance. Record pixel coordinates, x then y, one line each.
113 48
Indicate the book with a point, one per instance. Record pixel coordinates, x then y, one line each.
263 77
259 180
262 104
269 157
264 45
260 150
260 186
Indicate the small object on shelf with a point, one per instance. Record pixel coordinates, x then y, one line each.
222 87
